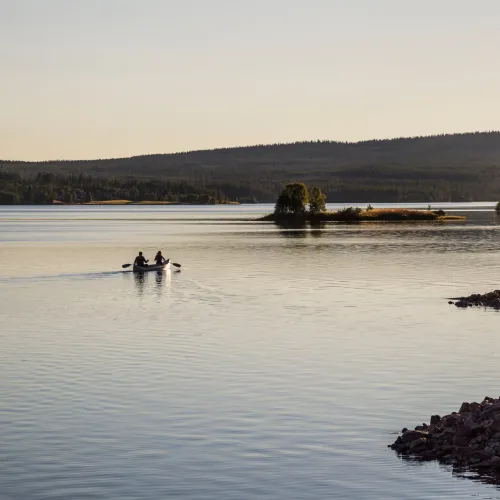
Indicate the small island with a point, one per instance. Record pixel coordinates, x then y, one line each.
293 202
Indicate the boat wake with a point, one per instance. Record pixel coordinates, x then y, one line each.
68 276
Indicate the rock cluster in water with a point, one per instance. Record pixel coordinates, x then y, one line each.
491 299
469 438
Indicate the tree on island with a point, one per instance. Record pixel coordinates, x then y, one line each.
292 200
317 201
295 197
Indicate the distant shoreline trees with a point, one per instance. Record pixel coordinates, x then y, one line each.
45 188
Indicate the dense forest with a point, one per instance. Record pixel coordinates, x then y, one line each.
47 187
458 167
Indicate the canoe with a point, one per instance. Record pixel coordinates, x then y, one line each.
152 267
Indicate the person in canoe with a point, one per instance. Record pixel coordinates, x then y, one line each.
141 261
159 259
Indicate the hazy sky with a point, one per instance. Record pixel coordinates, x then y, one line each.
112 78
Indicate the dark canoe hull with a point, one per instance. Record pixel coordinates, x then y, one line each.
152 267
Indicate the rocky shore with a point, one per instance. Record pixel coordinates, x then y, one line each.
491 299
469 438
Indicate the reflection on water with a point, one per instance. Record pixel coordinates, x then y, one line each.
294 233
480 475
153 281
317 232
139 280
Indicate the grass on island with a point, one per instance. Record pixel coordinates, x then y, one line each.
152 203
393 214
405 214
106 202
451 217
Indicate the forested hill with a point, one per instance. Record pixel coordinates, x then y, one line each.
457 167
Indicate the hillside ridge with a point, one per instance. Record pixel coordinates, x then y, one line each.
284 145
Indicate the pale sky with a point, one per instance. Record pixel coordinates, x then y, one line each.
84 79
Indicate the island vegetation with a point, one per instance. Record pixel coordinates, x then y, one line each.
447 168
298 205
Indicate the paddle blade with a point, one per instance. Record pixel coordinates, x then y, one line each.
126 265
175 264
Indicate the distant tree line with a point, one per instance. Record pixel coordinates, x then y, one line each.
460 167
45 187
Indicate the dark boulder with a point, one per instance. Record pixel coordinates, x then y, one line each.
475 407
461 441
465 408
410 436
419 445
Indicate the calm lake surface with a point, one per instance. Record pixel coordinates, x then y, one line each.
279 364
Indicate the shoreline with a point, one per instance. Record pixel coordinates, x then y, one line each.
128 202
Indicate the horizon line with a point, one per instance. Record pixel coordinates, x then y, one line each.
266 145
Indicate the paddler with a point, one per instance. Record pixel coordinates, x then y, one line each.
159 259
141 261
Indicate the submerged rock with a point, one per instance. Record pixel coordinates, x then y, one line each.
467 438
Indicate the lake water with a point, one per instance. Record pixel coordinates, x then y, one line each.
279 364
